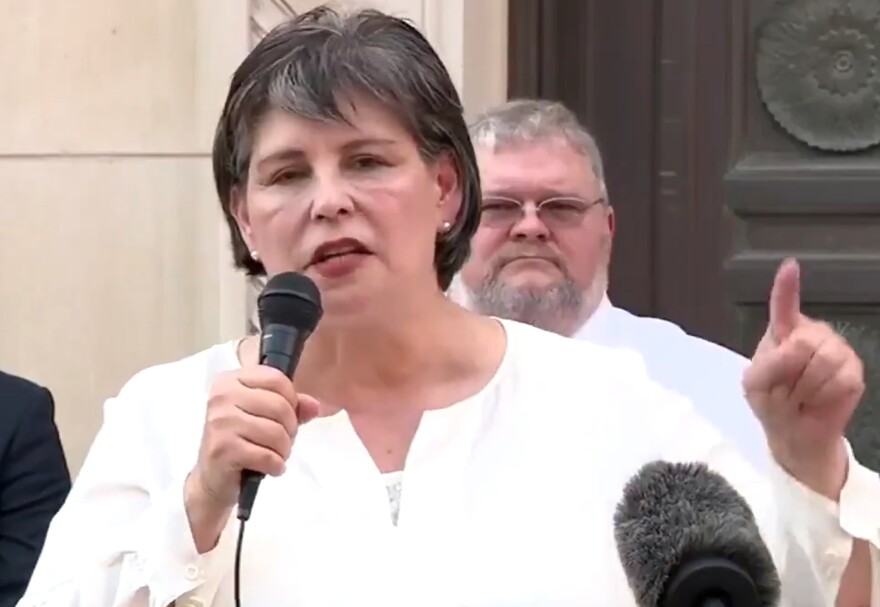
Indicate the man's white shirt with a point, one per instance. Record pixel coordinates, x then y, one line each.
506 498
707 374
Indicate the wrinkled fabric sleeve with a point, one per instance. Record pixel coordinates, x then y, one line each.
122 538
824 531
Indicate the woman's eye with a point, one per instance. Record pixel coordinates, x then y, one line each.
366 162
287 175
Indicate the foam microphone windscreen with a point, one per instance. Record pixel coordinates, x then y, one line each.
673 515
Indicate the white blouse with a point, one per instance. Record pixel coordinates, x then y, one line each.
506 498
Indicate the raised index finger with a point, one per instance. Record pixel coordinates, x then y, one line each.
785 300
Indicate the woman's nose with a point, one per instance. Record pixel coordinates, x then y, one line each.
331 200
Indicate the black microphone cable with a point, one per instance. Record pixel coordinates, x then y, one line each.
236 575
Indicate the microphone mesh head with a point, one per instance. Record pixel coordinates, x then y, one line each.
671 513
290 299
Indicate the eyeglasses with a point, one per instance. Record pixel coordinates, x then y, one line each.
558 211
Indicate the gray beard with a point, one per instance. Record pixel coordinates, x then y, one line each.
543 308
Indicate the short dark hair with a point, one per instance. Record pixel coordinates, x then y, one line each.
305 65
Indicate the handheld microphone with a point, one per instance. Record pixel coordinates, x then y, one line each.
686 538
289 308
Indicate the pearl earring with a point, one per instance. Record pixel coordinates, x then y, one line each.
255 256
445 227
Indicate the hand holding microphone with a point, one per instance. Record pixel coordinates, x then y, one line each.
252 419
253 414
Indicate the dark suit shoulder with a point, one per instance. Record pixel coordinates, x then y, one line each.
22 403
12 386
34 479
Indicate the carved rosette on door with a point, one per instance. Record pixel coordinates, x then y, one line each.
818 72
264 15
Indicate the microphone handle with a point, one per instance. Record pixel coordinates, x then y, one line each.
710 581
280 348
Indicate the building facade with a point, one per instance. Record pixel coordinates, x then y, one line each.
735 133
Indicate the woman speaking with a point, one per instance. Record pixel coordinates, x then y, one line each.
422 455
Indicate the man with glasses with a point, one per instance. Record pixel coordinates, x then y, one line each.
542 252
